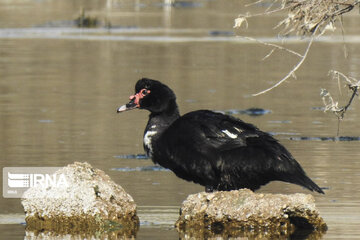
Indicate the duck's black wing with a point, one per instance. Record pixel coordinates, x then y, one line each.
225 153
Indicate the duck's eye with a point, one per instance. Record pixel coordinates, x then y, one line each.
145 92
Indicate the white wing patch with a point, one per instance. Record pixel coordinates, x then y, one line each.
239 130
147 139
229 134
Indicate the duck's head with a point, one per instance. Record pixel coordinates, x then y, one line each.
151 95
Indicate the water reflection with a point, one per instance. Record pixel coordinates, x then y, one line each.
250 234
37 235
196 234
163 218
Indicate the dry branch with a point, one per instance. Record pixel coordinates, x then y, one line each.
333 106
304 18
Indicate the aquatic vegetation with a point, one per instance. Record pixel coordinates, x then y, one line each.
84 21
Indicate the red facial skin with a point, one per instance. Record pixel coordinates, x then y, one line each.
142 93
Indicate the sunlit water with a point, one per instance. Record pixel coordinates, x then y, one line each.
60 87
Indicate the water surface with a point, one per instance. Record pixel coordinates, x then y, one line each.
60 87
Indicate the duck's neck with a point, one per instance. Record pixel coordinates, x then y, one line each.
158 123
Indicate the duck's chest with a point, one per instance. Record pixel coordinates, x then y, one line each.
149 139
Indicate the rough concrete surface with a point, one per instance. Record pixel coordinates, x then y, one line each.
229 212
90 202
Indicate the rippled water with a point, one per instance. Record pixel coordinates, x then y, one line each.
60 87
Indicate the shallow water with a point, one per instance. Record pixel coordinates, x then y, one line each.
60 87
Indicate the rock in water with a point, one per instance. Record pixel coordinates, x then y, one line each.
89 202
224 212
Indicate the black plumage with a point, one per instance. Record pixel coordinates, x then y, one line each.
215 150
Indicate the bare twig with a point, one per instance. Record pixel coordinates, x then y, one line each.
333 106
304 18
343 37
272 45
355 90
269 54
292 72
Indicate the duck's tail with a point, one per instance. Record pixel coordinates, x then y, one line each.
309 184
304 181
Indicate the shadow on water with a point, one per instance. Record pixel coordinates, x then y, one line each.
180 4
253 112
154 168
334 139
133 156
